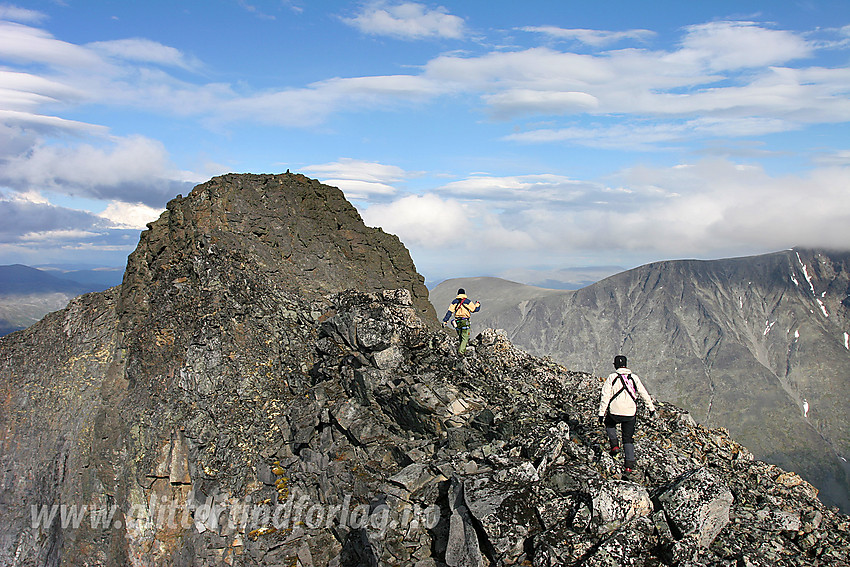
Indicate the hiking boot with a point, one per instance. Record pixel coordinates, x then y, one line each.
614 451
630 466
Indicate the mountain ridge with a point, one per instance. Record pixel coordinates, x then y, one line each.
731 340
17 279
235 402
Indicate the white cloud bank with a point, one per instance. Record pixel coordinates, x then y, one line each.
711 208
360 180
125 169
129 215
596 38
145 51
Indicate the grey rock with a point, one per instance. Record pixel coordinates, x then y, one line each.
413 477
698 505
462 548
618 502
388 358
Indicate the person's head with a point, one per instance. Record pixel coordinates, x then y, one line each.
461 291
620 361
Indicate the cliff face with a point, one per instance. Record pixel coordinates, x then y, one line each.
229 405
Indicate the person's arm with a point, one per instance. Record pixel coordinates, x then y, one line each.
644 394
477 307
450 311
607 390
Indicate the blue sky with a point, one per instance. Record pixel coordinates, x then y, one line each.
515 139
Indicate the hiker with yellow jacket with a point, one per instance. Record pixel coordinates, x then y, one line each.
462 309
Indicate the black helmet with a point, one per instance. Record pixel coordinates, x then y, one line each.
620 361
461 291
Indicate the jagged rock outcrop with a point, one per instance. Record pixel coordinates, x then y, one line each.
294 232
212 412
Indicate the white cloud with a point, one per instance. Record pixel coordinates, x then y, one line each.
41 123
18 14
711 208
361 180
403 87
517 192
106 73
425 220
408 20
30 214
596 38
24 91
347 168
129 215
535 68
36 231
733 45
430 222
647 136
145 51
313 104
641 83
52 235
361 190
129 168
31 45
527 101
730 73
833 158
32 197
88 166
720 204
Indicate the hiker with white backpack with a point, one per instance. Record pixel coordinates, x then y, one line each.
618 406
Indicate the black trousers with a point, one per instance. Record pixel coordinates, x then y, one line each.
627 426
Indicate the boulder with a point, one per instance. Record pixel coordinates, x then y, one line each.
697 505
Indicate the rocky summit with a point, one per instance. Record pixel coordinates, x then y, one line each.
269 387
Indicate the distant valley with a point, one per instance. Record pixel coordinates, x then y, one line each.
741 343
27 293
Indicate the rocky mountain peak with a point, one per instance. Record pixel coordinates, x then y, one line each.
299 234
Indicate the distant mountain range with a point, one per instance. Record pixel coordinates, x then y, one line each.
741 343
27 293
